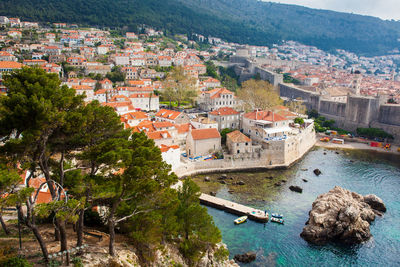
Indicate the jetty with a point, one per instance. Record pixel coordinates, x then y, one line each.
234 208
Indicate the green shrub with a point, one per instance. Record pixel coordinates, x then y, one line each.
299 121
54 263
16 262
373 133
221 254
77 262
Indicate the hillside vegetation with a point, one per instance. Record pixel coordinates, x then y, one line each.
243 21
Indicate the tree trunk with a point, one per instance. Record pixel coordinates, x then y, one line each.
3 224
40 240
111 229
35 231
57 235
79 228
64 241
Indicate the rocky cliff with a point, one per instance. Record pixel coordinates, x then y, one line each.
342 216
169 255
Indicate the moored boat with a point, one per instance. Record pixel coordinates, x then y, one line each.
240 220
276 220
276 215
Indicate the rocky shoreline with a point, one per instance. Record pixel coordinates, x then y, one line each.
342 216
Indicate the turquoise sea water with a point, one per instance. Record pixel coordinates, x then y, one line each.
281 245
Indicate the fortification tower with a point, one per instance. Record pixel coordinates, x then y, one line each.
356 83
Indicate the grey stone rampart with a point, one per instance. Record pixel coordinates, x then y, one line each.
389 114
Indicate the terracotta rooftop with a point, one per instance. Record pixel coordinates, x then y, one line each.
182 128
200 134
138 115
162 124
165 148
158 135
238 137
10 65
224 112
168 114
264 116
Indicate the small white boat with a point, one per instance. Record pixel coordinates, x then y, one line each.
276 220
240 220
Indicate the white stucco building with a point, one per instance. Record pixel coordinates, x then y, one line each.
217 98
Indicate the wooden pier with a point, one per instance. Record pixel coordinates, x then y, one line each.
234 208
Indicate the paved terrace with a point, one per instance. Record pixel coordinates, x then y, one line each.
234 208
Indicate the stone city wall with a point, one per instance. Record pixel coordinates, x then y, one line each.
389 114
332 108
357 112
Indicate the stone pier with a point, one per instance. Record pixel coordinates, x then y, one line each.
234 208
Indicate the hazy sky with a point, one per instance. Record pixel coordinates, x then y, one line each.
385 9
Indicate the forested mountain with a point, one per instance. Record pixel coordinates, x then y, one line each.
243 21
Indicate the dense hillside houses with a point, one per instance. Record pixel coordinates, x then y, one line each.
127 73
5 56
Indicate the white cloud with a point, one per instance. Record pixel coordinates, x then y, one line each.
385 9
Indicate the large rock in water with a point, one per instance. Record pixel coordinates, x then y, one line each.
341 215
245 258
375 202
296 188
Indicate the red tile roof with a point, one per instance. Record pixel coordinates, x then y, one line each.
162 124
224 111
146 126
119 104
183 128
238 137
165 148
10 65
138 115
265 116
105 81
168 114
117 98
82 87
216 93
158 135
200 134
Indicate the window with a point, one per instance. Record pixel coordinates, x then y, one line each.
247 144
